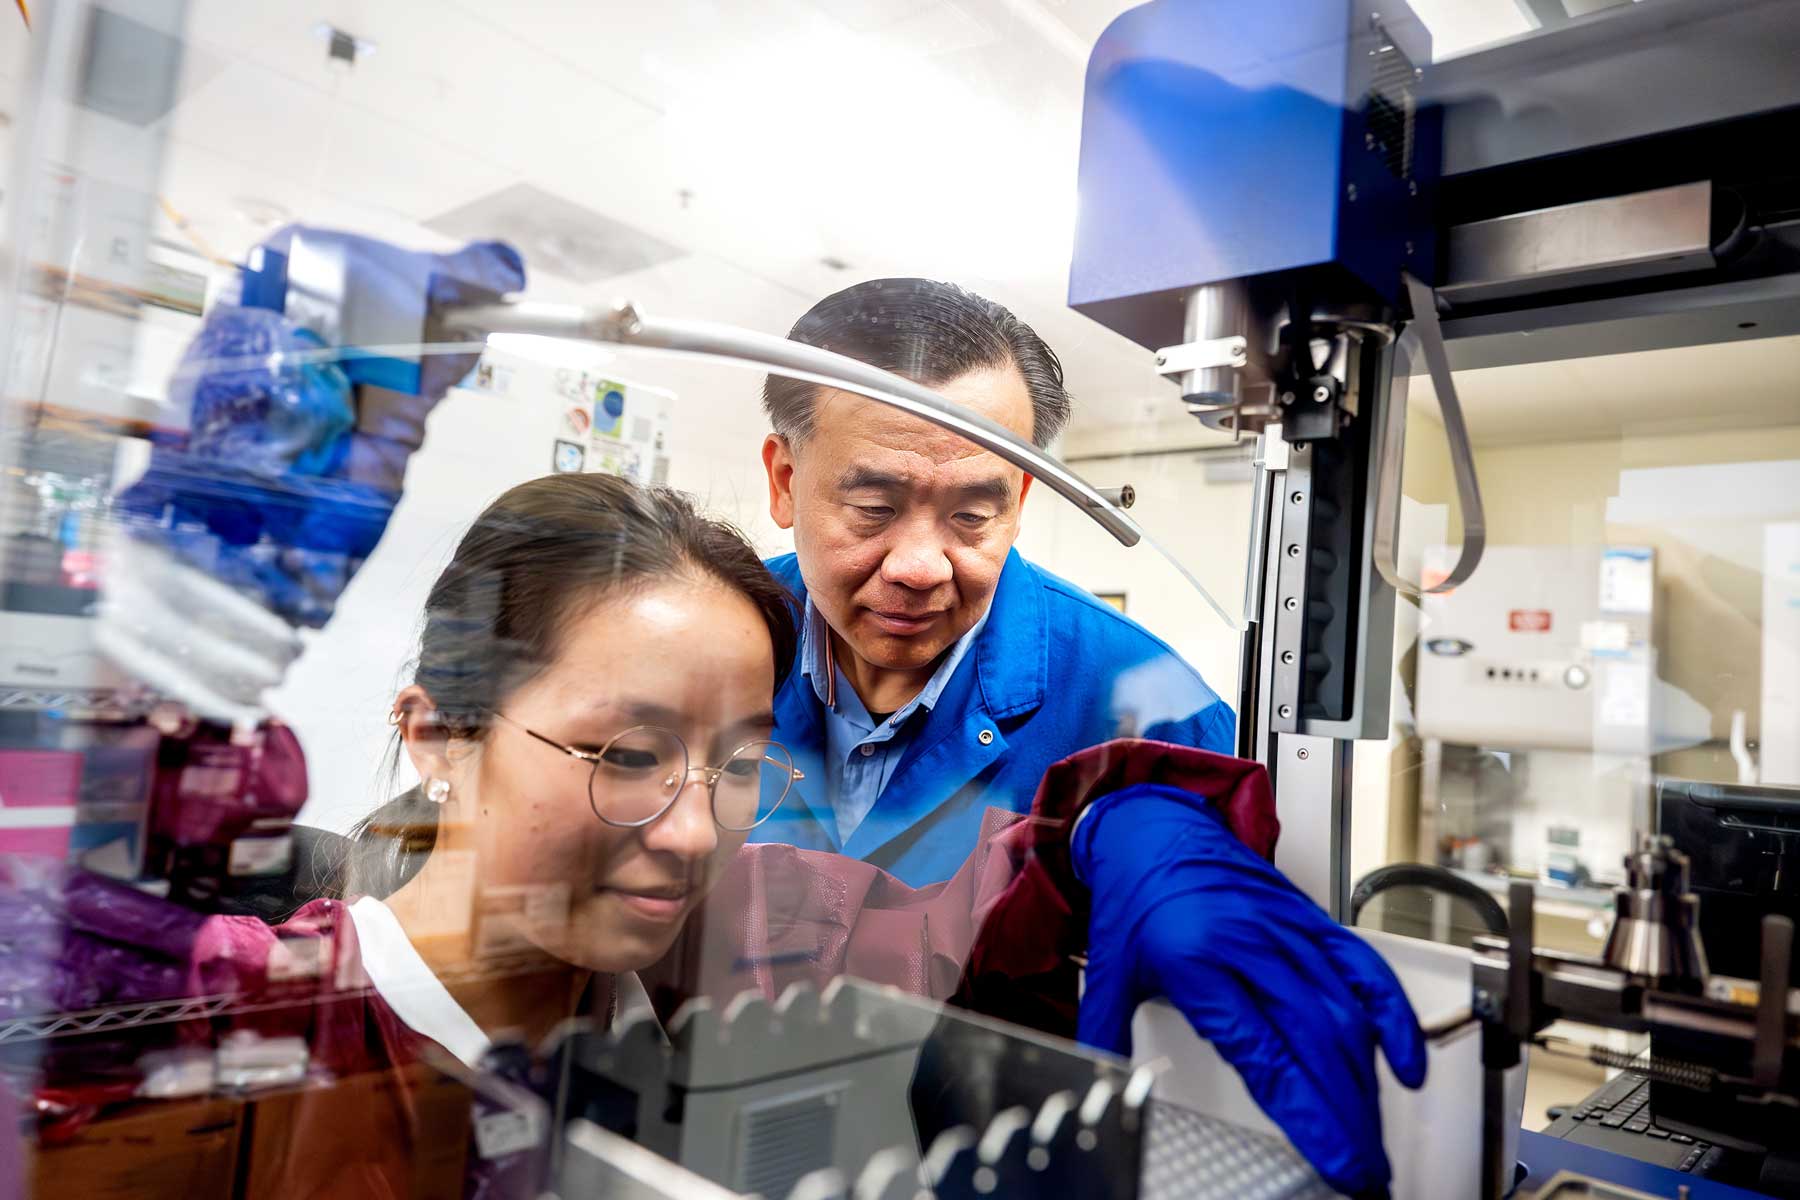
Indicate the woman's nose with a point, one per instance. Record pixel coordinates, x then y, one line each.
687 829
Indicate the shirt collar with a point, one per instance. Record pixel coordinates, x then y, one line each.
409 986
424 1005
815 664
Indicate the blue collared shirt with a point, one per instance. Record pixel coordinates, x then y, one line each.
861 756
1053 671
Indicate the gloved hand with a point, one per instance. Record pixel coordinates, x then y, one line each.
293 463
1297 1003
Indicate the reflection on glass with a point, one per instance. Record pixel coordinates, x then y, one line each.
305 734
1624 642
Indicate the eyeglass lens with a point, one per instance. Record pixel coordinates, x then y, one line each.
640 772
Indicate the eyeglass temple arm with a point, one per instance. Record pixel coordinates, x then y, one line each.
586 756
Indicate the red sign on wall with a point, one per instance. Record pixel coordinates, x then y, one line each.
1529 620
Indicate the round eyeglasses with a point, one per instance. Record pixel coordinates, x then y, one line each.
637 775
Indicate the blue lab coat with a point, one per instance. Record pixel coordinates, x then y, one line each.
1053 672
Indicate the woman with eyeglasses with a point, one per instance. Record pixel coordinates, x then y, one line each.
589 716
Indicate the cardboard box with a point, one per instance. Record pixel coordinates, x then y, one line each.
401 1133
178 1149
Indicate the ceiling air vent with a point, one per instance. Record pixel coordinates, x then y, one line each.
556 236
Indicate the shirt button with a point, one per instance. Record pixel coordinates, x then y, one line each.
867 750
985 737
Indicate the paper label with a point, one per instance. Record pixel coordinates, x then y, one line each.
216 782
498 1134
1627 581
1605 637
1528 620
298 958
260 855
1625 694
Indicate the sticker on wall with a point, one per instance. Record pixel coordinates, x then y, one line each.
609 409
569 457
578 420
577 386
1528 620
489 376
631 432
609 456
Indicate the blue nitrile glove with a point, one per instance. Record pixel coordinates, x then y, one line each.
293 463
1296 1002
376 299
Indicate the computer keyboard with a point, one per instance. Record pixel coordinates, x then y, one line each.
1617 1118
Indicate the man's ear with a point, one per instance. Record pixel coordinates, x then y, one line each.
778 462
427 744
1025 489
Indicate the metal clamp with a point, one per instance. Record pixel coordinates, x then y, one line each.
1196 356
1462 461
621 323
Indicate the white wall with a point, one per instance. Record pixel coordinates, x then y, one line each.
1205 526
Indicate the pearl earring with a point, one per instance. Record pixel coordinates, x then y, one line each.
437 790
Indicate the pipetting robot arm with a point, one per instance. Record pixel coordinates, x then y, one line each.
1257 212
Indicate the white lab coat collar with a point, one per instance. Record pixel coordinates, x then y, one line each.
420 999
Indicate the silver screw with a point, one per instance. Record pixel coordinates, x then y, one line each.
1162 360
985 737
1287 656
1294 550
1287 710
1287 397
1302 752
1298 497
1290 604
1321 394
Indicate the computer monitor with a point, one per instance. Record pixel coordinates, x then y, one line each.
1743 841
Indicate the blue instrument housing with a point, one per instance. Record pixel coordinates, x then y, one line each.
1229 141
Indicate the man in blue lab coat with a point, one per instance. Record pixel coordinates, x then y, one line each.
940 673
